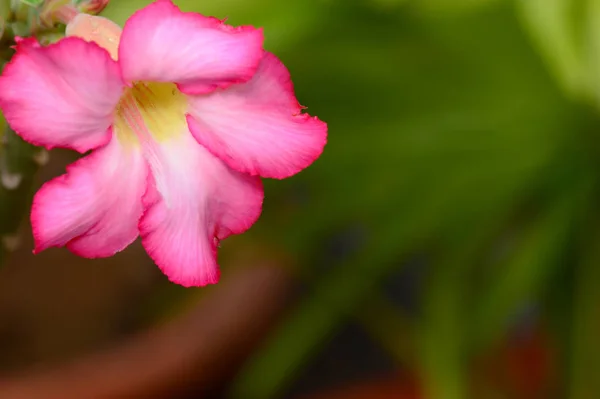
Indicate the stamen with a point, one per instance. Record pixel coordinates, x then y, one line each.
155 111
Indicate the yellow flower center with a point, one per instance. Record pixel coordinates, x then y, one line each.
150 110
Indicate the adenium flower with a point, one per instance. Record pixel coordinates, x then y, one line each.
183 115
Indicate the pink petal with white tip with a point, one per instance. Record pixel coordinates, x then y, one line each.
93 209
194 201
257 127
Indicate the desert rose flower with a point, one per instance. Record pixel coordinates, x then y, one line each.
182 113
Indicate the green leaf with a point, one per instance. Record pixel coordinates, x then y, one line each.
442 346
585 351
302 334
449 6
590 20
522 277
32 3
556 34
390 326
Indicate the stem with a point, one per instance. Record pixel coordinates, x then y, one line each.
585 355
18 163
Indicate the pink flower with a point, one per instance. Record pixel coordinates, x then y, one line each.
183 114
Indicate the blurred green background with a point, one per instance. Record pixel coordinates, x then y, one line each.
445 246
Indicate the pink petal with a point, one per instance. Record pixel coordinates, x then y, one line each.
94 209
62 95
193 201
162 44
258 127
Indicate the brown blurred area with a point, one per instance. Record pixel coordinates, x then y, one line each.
70 327
55 305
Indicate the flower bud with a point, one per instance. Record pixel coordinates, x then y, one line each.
92 7
57 11
99 30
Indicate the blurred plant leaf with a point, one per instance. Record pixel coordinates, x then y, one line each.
589 18
431 115
555 27
442 339
585 327
391 327
525 274
449 6
334 296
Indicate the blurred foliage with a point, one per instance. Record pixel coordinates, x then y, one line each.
18 163
463 130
